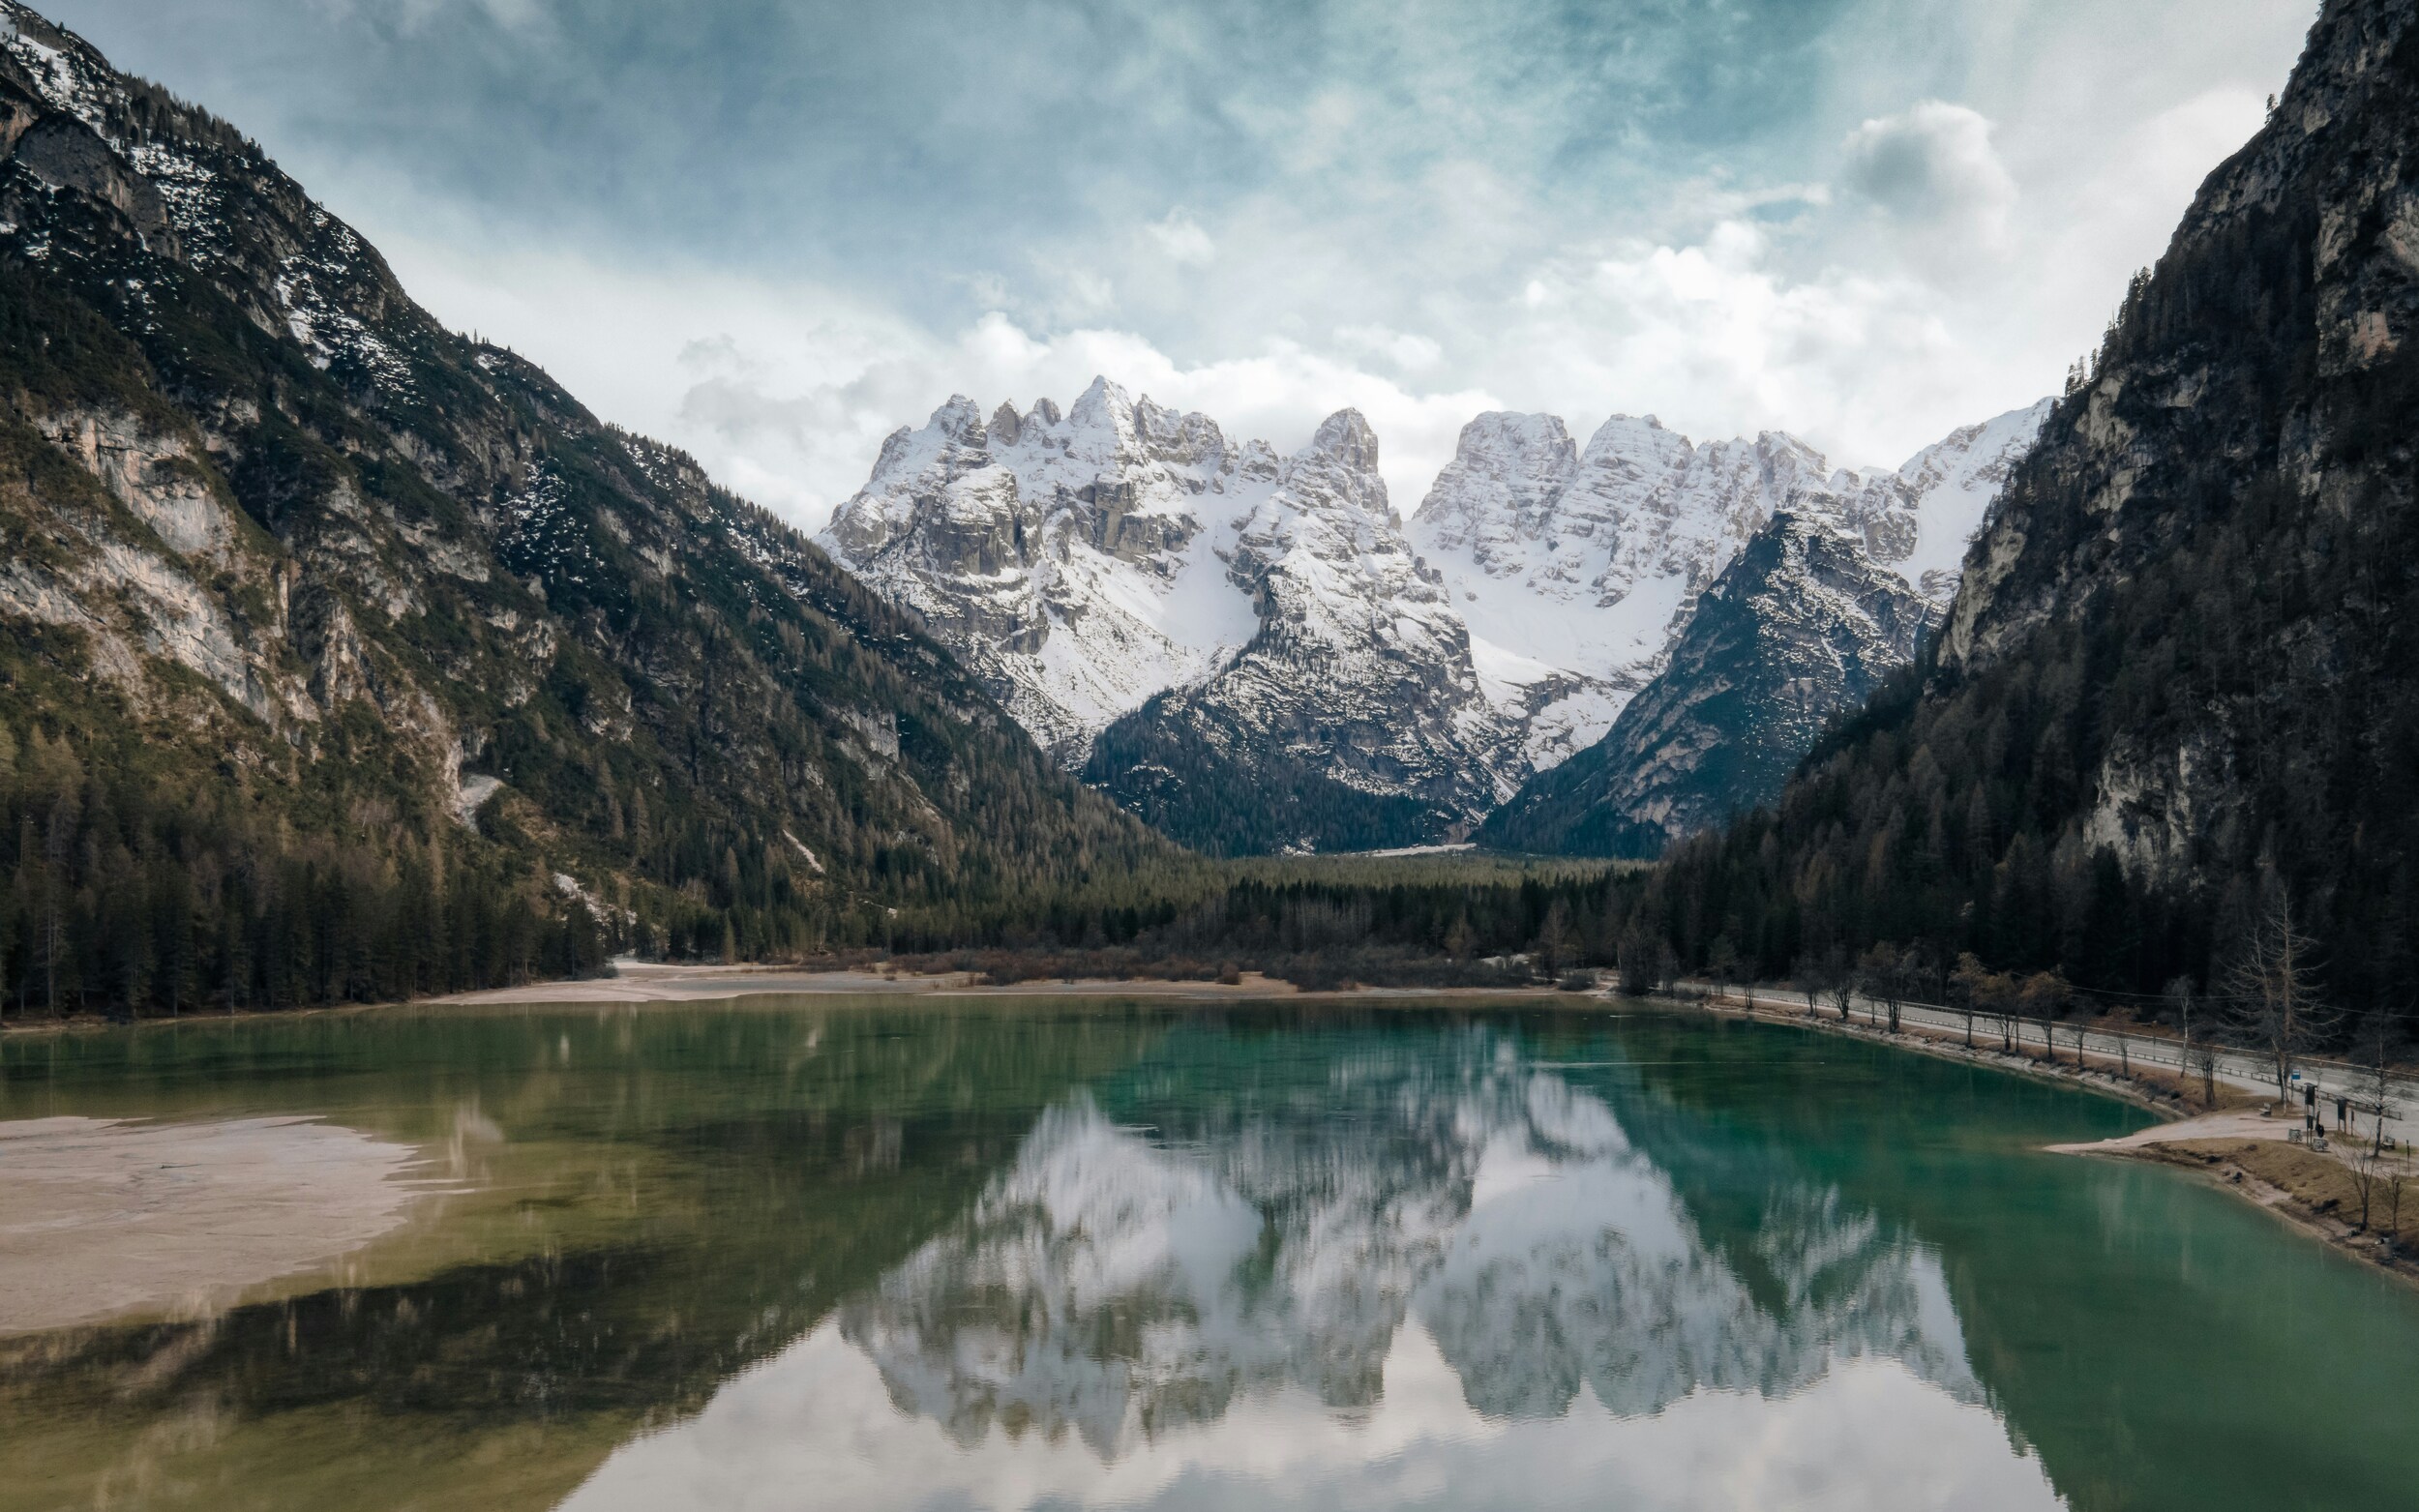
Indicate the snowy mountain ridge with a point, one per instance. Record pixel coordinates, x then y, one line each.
1124 565
1069 559
1585 563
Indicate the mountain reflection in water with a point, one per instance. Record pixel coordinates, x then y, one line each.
1417 1278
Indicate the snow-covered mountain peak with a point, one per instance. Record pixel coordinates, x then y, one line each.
1068 557
960 420
1508 471
1346 437
1082 563
1338 470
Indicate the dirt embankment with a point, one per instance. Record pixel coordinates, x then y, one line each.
2360 1199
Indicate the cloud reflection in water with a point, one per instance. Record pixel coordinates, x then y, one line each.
1453 1281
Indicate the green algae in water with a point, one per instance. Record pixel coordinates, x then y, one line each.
817 1254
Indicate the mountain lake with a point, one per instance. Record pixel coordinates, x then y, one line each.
1033 1252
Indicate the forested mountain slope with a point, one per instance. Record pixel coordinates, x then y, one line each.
2183 661
343 655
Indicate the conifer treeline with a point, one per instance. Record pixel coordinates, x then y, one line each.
128 895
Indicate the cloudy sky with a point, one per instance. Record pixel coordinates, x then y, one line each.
772 230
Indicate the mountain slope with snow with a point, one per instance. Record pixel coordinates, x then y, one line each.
1075 562
1259 653
1801 625
1582 565
1355 718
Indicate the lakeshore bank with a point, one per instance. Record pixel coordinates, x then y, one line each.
2237 1144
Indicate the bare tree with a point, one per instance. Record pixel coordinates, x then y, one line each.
2179 999
2273 985
2394 1178
1839 981
2377 1051
2204 1060
1884 970
2041 996
1966 987
1721 963
2365 1173
1808 975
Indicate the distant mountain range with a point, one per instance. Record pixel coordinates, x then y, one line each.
1258 653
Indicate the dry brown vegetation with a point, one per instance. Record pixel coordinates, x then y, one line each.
2319 1186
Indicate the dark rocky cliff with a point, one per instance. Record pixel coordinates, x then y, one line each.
2182 668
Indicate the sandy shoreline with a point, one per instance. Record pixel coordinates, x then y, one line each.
650 983
100 1217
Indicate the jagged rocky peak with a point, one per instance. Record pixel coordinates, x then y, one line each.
1282 614
1575 573
1509 473
1345 439
1065 556
1338 470
1356 717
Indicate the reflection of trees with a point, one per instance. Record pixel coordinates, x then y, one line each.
1120 1281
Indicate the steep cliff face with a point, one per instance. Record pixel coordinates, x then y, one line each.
1353 717
2253 397
1801 625
282 552
1076 562
2181 663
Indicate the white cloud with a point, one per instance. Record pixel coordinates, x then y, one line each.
1934 166
785 392
1406 350
1180 239
1951 270
1717 338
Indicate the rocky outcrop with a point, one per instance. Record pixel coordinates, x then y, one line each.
1355 717
1797 629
